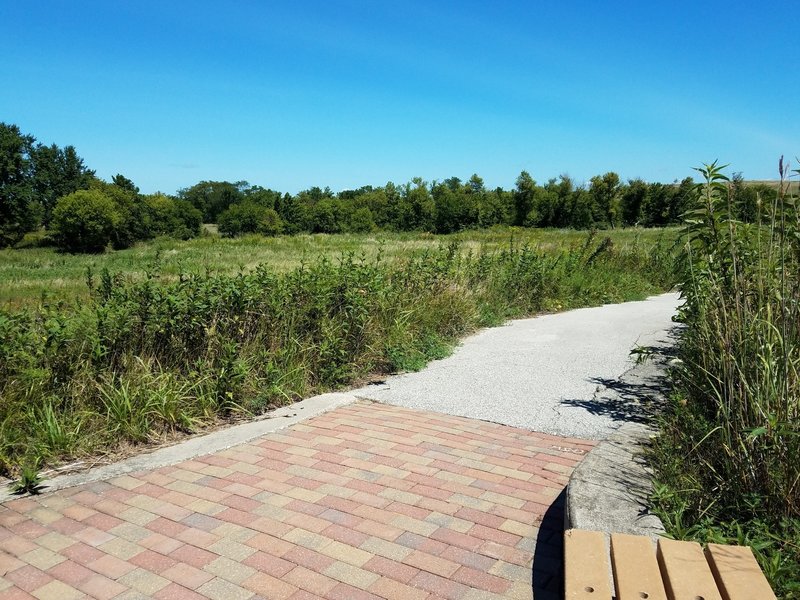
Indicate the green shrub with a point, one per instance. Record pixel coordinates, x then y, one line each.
135 220
85 221
249 217
173 217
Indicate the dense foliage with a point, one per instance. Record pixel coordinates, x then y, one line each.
249 217
148 357
48 186
34 177
86 220
729 458
447 206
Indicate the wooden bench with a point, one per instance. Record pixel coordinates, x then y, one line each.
674 571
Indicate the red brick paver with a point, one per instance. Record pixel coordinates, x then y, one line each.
367 501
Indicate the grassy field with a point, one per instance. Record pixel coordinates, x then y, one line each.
175 337
28 275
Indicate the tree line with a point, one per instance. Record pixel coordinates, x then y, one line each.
50 187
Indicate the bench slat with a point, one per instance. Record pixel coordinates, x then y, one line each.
636 572
586 568
685 571
737 573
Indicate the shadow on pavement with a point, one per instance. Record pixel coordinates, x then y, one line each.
636 395
547 573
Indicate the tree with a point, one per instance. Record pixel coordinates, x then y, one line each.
249 217
748 198
545 207
329 215
85 221
493 208
16 211
265 197
582 212
523 197
604 190
213 197
448 208
377 202
295 215
656 209
632 201
417 207
57 172
123 182
686 196
361 221
475 184
565 191
135 222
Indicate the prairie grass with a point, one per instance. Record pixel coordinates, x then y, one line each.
33 273
143 356
728 460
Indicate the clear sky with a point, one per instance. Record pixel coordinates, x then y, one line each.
348 93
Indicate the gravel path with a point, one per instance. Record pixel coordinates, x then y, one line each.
542 373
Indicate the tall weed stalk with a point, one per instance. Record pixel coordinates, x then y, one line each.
730 452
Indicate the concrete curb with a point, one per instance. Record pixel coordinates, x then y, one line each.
200 445
610 488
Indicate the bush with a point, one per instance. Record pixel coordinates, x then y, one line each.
85 221
135 220
249 217
172 217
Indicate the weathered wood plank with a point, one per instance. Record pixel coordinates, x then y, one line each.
636 572
737 573
685 572
586 567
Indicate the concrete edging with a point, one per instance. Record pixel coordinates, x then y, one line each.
609 490
200 445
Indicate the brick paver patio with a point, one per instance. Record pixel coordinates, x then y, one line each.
367 501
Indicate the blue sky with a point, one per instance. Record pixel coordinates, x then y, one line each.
348 93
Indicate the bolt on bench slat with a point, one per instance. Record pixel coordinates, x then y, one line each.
586 566
636 572
685 571
737 573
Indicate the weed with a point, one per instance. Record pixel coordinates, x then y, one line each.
29 480
727 458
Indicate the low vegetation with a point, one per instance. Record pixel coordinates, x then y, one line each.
33 274
728 460
147 357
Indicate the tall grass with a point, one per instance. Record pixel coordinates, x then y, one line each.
29 275
146 358
729 459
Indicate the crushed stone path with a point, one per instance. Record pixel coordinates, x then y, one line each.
367 501
542 373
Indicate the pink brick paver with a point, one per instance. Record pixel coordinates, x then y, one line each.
366 501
